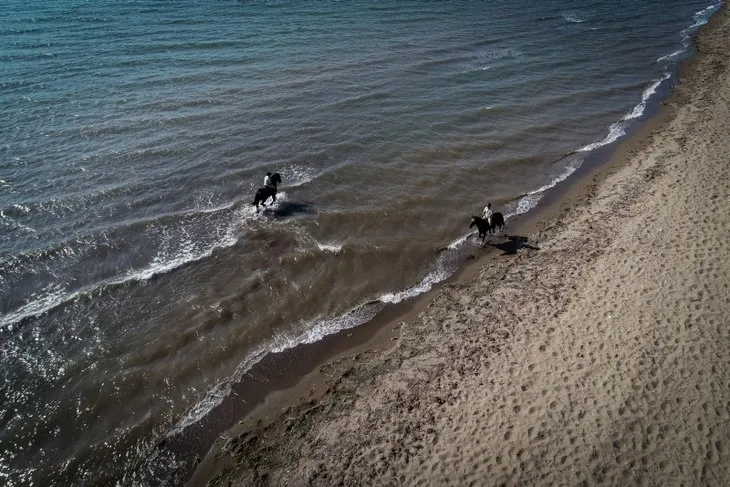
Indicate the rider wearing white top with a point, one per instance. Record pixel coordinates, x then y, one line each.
267 181
487 213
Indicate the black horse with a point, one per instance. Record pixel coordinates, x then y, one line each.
483 226
263 194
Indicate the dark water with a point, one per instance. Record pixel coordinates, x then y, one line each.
136 281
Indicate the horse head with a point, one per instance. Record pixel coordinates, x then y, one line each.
276 178
474 220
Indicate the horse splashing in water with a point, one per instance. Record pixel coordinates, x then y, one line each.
484 227
263 194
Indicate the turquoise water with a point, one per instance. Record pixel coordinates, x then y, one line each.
136 281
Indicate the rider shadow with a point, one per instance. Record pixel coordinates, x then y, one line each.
287 209
513 244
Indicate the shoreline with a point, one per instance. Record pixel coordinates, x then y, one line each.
386 342
280 380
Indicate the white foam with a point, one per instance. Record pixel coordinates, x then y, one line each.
526 203
21 208
531 199
295 175
615 131
204 204
458 242
313 331
212 209
638 110
318 329
671 56
701 17
39 302
572 18
218 392
329 247
162 263
190 251
425 285
569 169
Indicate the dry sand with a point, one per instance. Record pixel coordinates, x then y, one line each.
603 356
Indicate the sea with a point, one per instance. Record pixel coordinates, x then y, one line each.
138 284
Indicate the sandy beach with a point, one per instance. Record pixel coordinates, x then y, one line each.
596 351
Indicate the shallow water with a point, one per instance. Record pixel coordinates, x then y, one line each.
137 283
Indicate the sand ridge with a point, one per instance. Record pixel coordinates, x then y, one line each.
604 356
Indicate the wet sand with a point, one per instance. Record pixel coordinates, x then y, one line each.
599 351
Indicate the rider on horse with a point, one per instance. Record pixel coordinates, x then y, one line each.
268 183
269 189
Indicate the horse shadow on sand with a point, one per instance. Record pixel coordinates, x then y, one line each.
512 245
288 209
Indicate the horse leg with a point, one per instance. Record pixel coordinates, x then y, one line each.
273 198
